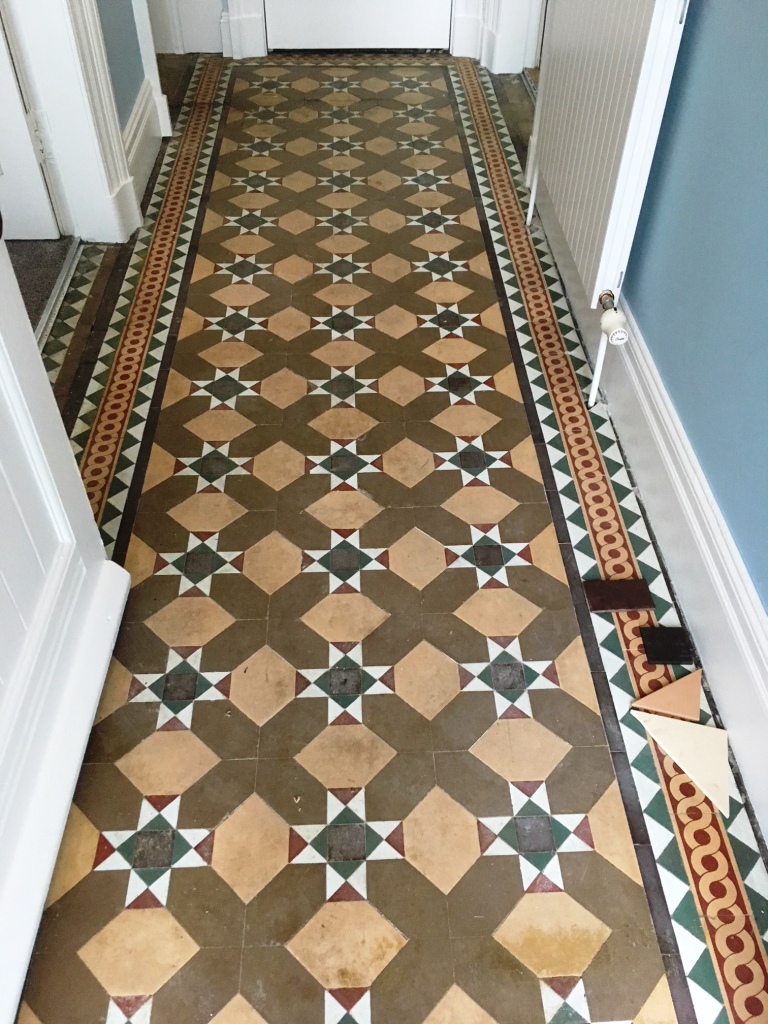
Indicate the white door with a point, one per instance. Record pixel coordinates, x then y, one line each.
358 24
24 200
186 26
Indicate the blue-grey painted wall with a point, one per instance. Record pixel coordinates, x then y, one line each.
123 53
697 281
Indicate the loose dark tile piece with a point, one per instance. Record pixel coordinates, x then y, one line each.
344 560
343 681
153 849
472 460
534 834
618 595
488 554
180 685
509 676
346 842
667 645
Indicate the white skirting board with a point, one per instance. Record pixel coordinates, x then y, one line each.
142 137
717 597
47 766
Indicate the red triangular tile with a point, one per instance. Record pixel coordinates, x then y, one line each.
104 849
383 559
550 673
173 725
205 848
345 534
388 679
345 588
486 837
529 788
513 711
224 685
493 584
160 802
302 683
450 557
465 677
543 884
295 845
396 839
346 894
526 555
130 1004
306 561
344 796
185 652
346 646
563 986
145 901
135 688
348 997
584 833
503 641
345 719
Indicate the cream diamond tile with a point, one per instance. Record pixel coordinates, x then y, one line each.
293 268
239 296
230 354
611 835
340 99
497 612
436 242
344 510
139 560
378 114
430 200
342 245
289 323
262 685
238 1011
305 85
385 181
189 622
520 749
219 425
492 320
375 85
341 200
401 385
250 848
284 388
301 147
343 423
299 181
346 945
138 951
167 763
441 839
396 322
253 200
114 692
552 934
457 1008
343 294
76 854
482 504
342 354
427 679
272 562
507 383
525 460
387 221
417 558
575 675
343 756
545 552
303 115
445 293
390 267
657 1009
408 462
259 163
480 265
454 351
247 245
381 146
341 163
279 465
296 222
177 387
344 617
466 420
207 512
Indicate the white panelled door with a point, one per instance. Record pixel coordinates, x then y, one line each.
358 24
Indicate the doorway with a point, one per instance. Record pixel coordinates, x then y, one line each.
358 24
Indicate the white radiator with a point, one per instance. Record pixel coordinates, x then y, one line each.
605 71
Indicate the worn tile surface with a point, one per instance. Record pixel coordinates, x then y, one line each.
349 765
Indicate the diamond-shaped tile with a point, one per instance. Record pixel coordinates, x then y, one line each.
465 420
76 853
457 1008
345 617
305 84
375 85
427 679
293 268
520 749
167 762
239 296
344 756
445 293
401 385
219 425
207 512
230 354
262 685
279 465
454 351
250 847
189 622
396 322
408 462
385 181
391 267
272 562
343 294
343 423
247 245
342 353
300 147
299 181
138 951
417 558
441 839
344 510
480 505
499 612
289 323
296 222
238 1011
378 114
552 934
283 388
346 945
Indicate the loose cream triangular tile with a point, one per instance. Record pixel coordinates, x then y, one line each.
681 699
701 752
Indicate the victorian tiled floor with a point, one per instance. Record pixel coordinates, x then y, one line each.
349 765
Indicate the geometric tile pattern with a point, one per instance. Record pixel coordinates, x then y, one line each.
348 767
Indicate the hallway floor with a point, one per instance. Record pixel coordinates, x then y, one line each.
363 755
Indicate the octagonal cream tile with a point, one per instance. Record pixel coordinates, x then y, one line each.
343 756
441 839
